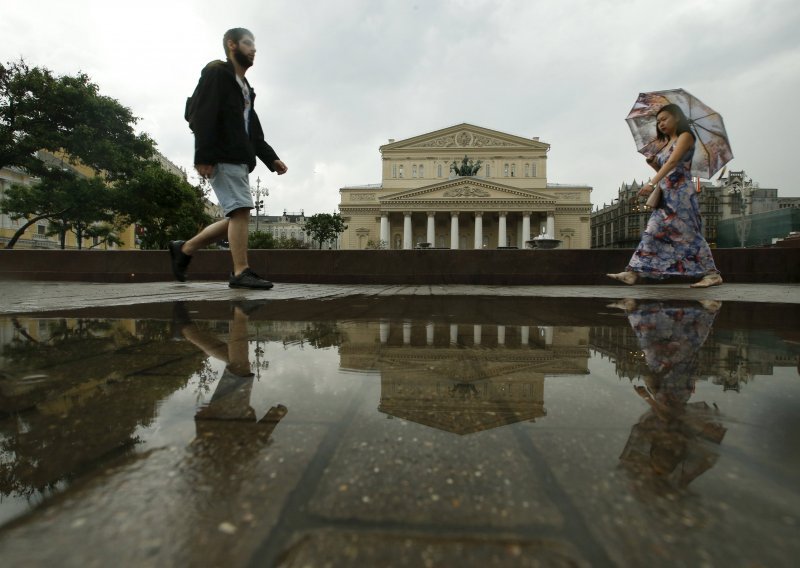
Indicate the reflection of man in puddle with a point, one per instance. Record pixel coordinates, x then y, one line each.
672 443
231 399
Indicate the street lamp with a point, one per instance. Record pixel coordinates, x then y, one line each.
258 202
736 190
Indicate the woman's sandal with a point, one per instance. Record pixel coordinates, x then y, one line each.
708 281
629 278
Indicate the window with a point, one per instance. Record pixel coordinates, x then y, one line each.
533 170
439 170
513 170
422 170
488 170
414 171
394 170
527 170
40 230
401 171
505 170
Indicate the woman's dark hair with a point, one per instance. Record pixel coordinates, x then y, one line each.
677 114
235 34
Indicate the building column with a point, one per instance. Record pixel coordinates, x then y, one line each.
384 332
406 333
478 230
551 225
501 335
453 333
524 334
429 333
546 332
407 236
431 236
454 230
501 231
384 236
526 229
476 334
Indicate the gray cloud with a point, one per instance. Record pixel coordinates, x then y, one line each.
335 80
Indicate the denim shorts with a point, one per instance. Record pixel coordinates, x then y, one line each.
231 184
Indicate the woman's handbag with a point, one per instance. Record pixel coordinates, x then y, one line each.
654 198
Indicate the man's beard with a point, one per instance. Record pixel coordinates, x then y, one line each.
242 59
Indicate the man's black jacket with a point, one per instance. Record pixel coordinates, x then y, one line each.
218 121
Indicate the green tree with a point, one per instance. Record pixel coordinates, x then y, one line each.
324 227
41 111
70 203
164 206
289 243
260 240
49 123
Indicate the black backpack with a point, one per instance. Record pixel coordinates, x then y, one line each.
188 112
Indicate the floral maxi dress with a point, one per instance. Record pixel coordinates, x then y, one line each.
673 242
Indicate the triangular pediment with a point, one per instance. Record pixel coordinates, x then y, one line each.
465 136
467 188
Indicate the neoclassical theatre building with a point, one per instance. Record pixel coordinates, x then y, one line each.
420 200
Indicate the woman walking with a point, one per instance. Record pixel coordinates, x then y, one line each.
673 242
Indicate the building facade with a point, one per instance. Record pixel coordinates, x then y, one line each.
722 202
420 202
286 226
621 223
36 236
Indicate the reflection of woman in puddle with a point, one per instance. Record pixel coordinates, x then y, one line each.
672 443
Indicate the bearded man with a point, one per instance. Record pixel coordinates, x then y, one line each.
227 139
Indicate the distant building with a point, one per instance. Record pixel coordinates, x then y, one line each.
35 237
724 203
421 202
621 224
288 226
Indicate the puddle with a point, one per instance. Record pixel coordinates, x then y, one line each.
581 431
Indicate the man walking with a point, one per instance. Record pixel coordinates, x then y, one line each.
227 139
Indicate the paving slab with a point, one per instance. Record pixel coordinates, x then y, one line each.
29 296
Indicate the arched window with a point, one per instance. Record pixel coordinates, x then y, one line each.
422 170
488 170
414 171
505 170
513 170
401 171
439 170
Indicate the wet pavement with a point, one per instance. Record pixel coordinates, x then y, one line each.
163 425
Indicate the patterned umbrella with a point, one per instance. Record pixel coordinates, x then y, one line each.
712 149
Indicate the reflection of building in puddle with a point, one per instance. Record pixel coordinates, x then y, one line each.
727 358
463 378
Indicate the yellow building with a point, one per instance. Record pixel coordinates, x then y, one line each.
35 237
507 202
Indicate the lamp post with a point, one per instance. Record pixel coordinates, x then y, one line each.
258 202
736 190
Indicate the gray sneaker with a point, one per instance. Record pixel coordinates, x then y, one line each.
249 279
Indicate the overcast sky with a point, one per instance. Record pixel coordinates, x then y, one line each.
337 78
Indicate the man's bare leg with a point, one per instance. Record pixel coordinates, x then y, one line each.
237 239
214 232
